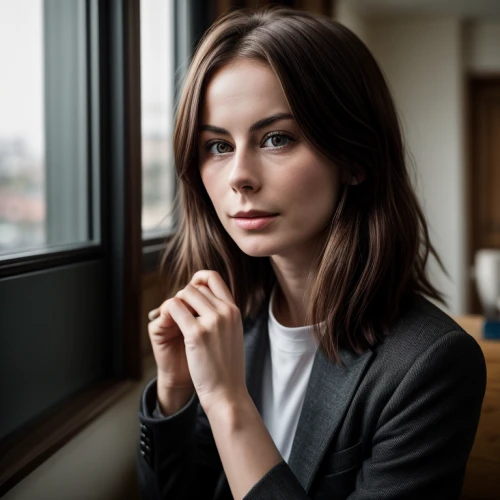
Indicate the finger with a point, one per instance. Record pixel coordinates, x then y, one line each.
213 280
157 328
208 294
216 303
187 323
164 318
155 313
197 300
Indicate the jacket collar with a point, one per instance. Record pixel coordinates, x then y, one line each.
328 394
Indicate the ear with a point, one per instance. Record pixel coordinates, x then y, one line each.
356 177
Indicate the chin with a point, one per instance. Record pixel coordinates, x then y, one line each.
256 249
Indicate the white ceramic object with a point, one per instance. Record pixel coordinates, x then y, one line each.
487 277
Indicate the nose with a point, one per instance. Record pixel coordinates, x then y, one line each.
244 176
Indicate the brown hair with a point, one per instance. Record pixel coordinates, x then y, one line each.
377 245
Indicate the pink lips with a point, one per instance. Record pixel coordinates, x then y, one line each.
254 222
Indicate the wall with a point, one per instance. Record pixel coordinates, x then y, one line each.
427 61
422 59
349 16
482 47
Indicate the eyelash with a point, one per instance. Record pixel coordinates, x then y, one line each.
268 136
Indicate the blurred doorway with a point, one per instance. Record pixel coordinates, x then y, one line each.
484 171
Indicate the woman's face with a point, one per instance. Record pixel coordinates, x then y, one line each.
253 157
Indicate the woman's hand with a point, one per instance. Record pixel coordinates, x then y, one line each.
213 340
169 351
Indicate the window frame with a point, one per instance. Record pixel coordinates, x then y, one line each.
115 143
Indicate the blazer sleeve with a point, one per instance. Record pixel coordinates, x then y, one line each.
424 434
176 456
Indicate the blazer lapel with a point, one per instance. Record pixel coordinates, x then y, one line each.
256 345
329 392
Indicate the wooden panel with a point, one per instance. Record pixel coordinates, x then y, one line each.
481 481
316 6
482 478
487 165
324 7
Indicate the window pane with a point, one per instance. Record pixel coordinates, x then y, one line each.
157 89
22 148
44 190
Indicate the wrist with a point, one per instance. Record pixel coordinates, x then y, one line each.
173 399
165 383
231 410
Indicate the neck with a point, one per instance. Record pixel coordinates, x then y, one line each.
291 298
295 272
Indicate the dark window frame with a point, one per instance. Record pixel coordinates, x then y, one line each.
116 24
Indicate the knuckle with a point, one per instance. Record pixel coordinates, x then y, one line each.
226 310
232 310
164 309
197 333
214 319
153 328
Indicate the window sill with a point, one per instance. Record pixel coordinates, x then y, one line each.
24 450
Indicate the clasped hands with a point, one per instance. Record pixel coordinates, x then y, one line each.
203 321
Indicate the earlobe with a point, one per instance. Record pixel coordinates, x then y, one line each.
354 177
357 177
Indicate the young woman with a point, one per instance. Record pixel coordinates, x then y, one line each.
297 355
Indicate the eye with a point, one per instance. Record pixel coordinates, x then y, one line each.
277 140
218 148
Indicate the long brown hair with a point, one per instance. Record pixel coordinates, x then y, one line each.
373 261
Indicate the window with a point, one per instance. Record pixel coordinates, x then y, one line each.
157 109
44 180
70 193
22 148
74 229
170 30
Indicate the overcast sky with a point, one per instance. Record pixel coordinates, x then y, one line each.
21 70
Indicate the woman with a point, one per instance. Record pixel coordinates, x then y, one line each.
299 358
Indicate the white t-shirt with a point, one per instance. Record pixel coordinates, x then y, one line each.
287 369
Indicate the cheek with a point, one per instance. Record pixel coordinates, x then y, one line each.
314 188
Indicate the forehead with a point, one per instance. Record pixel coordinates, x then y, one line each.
242 90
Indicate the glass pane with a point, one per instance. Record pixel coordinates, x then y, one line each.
43 125
22 148
157 89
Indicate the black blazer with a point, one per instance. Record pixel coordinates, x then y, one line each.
396 422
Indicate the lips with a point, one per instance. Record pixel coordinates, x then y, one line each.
250 214
253 223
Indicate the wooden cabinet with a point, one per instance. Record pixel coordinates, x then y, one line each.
482 478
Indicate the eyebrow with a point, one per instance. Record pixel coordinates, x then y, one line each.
256 126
